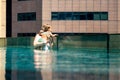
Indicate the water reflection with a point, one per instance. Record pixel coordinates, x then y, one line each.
27 64
19 64
82 64
44 61
2 63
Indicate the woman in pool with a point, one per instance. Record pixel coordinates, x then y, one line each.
45 37
39 42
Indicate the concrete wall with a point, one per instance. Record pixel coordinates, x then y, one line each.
118 16
2 18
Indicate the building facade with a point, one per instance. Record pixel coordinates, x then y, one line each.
65 16
2 18
82 16
26 17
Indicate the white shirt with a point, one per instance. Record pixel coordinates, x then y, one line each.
36 40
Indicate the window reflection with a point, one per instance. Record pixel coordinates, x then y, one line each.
96 16
104 16
26 16
79 16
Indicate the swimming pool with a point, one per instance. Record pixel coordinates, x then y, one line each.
26 63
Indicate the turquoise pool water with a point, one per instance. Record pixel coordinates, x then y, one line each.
26 63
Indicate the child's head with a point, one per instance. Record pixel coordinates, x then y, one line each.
46 27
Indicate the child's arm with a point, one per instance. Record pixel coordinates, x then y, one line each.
53 35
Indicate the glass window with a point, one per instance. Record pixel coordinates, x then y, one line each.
68 16
25 34
61 15
79 16
96 16
76 15
26 16
104 15
83 16
55 15
89 15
